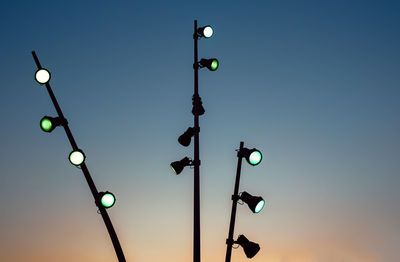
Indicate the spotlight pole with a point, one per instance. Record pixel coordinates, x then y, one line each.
196 162
85 170
235 198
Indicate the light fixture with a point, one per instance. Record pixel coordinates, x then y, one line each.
250 248
42 76
186 137
48 124
253 156
200 108
178 166
107 199
205 31
255 203
77 157
212 63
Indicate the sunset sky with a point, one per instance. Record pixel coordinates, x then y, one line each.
315 85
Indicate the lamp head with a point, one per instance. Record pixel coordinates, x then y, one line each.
255 203
186 137
250 248
77 157
178 166
107 199
48 124
253 156
205 31
212 63
196 100
42 76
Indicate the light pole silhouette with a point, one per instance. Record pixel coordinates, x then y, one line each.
197 110
103 200
256 204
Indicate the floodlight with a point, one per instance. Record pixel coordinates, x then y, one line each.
186 137
250 248
42 76
107 199
48 124
205 31
253 156
178 166
212 63
255 203
77 157
200 108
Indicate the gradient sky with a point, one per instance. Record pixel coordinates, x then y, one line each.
313 84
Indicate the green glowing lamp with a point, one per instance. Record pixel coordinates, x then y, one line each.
255 203
253 156
212 63
48 124
107 199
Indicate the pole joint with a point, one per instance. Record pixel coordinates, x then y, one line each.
240 153
63 121
235 198
230 241
196 129
196 162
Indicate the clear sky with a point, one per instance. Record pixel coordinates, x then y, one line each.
313 84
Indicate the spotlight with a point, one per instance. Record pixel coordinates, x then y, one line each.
255 204
42 76
107 199
185 138
48 124
77 157
200 108
212 63
178 166
250 248
205 31
253 156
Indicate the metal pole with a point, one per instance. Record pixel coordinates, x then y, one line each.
196 162
235 198
93 189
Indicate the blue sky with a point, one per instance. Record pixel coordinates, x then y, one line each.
313 84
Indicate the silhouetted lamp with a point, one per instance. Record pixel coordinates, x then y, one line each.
250 248
186 137
42 76
77 157
178 166
255 203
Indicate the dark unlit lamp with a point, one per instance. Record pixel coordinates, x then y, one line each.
107 199
42 76
255 203
206 31
77 157
178 166
212 63
250 248
186 137
253 156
